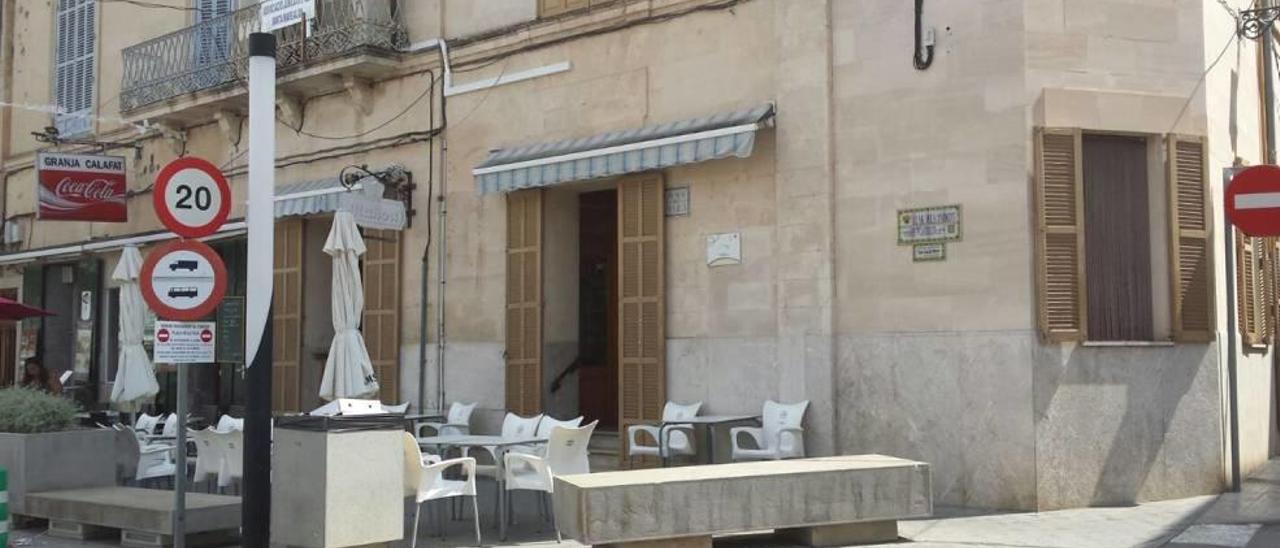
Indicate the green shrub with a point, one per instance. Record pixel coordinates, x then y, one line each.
26 411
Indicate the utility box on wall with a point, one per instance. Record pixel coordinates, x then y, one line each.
337 481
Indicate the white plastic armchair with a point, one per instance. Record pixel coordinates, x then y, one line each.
545 426
458 421
227 423
513 426
424 480
154 461
674 439
566 453
146 424
780 437
208 456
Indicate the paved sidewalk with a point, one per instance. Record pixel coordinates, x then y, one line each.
1249 519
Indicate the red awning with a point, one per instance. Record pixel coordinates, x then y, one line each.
13 310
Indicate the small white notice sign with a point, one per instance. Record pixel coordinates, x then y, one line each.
278 14
184 342
724 249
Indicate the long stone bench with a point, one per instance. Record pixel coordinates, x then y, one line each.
143 516
829 501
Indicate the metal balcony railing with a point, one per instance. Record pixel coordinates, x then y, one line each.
213 53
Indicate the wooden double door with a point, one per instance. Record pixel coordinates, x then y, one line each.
641 297
380 324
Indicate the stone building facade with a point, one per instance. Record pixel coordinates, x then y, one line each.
699 200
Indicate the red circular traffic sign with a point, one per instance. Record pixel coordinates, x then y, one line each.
1253 201
162 335
206 335
191 197
183 280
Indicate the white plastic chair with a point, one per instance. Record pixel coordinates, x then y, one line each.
566 454
513 426
424 480
673 439
170 429
209 456
154 461
146 424
781 437
231 445
458 421
227 423
545 426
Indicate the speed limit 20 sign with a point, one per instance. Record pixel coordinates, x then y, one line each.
191 197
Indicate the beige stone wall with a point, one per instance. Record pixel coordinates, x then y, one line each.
1089 65
954 134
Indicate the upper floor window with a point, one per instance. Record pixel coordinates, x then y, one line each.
1122 254
213 36
76 31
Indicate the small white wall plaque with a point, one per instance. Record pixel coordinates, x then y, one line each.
929 252
677 199
724 249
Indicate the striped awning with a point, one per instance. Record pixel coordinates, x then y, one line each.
308 197
723 135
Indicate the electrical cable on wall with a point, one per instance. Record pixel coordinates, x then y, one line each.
922 58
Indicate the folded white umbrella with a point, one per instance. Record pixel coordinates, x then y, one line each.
348 373
135 383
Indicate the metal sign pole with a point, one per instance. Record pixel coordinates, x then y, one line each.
180 474
256 508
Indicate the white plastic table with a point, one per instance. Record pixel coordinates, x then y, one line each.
500 445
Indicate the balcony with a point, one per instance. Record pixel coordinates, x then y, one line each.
193 72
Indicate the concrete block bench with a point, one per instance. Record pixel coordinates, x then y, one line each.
829 501
143 516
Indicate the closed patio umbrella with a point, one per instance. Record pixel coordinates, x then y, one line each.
135 382
348 373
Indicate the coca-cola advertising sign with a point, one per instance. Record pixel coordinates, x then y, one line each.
81 187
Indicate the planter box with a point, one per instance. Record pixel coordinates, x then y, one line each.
72 459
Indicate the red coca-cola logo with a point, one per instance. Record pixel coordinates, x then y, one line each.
96 189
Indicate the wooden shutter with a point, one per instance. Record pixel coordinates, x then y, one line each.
381 324
1190 247
1268 278
286 316
524 302
75 49
641 303
213 39
1059 194
1248 310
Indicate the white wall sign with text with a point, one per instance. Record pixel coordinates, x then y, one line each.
929 224
278 14
184 342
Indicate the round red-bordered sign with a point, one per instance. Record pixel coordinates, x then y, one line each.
1253 201
183 280
191 197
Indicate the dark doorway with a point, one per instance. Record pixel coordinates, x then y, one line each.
597 307
8 345
58 333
